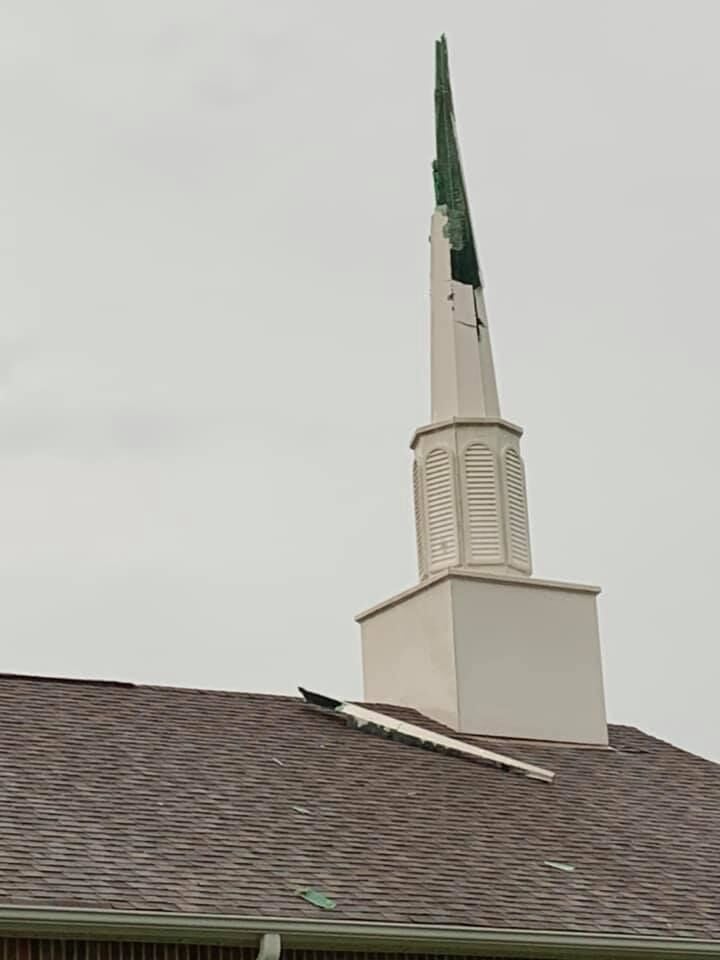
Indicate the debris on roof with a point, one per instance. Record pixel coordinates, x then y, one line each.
379 723
317 898
558 865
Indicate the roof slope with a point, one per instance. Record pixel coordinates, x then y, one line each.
150 798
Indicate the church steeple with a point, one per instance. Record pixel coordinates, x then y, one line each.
470 503
478 643
463 376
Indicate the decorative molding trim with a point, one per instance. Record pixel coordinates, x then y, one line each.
465 422
465 573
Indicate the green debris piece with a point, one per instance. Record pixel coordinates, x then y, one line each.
448 176
316 897
300 809
557 865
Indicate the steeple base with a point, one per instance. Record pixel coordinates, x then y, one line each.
491 655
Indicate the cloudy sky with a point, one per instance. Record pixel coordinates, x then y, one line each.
214 326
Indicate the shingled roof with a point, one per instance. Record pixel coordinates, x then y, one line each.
127 797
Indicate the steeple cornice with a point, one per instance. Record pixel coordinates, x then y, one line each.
465 422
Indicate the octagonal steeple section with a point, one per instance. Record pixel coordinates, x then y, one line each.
470 497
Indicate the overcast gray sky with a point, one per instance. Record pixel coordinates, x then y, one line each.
214 326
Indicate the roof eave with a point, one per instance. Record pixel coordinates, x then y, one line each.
343 935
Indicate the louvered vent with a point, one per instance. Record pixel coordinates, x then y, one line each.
417 495
483 516
519 541
441 511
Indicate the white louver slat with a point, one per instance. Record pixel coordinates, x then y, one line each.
419 535
519 540
441 510
483 514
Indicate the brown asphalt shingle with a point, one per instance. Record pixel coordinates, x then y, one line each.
148 798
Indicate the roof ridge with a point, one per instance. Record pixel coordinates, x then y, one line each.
46 678
96 681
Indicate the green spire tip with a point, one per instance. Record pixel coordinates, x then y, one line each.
448 177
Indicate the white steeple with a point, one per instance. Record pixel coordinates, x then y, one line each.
462 374
478 643
469 482
463 377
